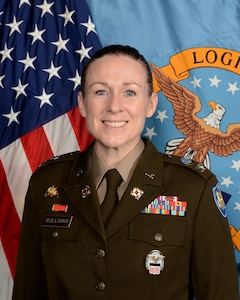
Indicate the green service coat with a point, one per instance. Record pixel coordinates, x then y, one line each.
66 253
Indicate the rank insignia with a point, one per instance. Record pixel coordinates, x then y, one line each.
218 198
60 207
86 191
155 262
166 205
51 192
201 167
186 161
137 193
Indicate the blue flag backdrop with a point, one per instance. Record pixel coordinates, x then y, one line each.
197 43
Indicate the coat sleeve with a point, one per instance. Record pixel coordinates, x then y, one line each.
213 266
29 282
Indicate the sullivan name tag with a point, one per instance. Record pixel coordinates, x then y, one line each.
50 221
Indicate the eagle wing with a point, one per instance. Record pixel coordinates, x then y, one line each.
225 144
185 103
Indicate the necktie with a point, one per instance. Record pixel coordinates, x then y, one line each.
113 181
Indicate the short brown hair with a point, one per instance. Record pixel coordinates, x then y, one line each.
117 50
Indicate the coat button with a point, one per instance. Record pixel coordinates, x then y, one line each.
100 253
158 237
55 234
100 286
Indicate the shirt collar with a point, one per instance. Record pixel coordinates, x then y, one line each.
125 167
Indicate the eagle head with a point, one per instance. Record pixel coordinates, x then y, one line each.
215 117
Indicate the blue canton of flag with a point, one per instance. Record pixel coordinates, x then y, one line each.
43 47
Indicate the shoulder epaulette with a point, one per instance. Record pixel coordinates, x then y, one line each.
193 165
58 158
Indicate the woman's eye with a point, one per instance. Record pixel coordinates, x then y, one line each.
130 93
101 92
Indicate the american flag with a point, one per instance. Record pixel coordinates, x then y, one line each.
43 47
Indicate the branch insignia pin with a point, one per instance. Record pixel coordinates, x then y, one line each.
86 191
137 193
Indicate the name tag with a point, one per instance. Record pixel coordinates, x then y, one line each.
64 222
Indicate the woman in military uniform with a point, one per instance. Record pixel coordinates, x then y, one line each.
166 237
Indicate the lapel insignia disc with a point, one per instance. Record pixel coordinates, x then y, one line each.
137 193
155 262
86 191
51 192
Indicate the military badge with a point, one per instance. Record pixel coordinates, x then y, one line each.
155 262
51 192
218 198
201 167
86 191
137 193
186 161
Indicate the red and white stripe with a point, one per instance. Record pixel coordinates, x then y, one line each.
17 162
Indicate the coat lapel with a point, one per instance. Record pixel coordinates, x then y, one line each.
147 178
82 192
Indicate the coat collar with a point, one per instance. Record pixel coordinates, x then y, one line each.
147 179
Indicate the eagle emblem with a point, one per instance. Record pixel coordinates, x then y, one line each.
201 134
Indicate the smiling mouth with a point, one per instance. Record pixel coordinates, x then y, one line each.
114 123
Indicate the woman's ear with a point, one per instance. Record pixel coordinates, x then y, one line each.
152 106
81 105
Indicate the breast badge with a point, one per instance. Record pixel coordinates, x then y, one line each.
51 192
155 262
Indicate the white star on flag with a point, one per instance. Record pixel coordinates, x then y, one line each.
196 82
6 53
161 115
233 88
53 71
237 207
84 52
214 81
76 80
45 98
236 165
28 62
67 16
20 89
227 181
37 34
12 116
61 44
150 132
14 26
24 2
90 26
46 8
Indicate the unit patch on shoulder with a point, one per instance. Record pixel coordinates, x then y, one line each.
218 198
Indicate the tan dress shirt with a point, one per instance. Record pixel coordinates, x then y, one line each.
125 168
